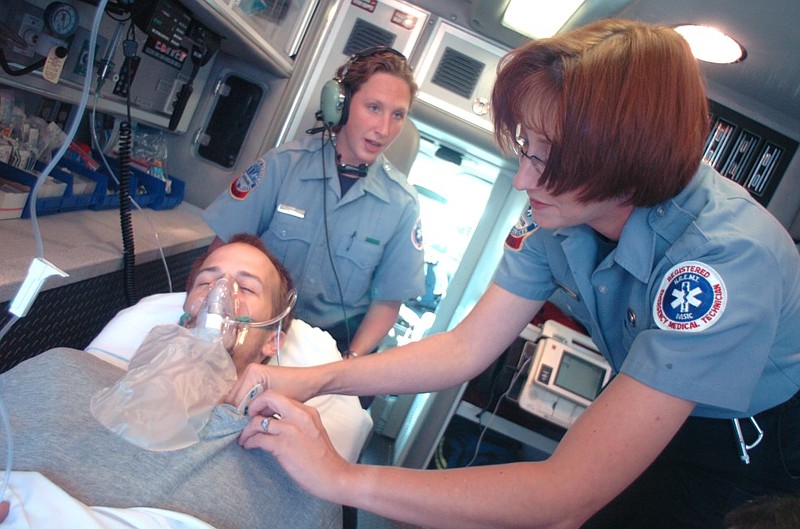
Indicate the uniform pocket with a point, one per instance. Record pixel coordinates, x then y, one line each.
289 239
357 260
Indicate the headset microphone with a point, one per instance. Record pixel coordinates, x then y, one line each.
317 130
359 170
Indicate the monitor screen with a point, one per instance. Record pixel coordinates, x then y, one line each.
580 376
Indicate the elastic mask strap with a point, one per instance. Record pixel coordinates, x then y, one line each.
291 300
277 322
278 342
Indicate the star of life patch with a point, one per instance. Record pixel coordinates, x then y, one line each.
248 180
521 230
416 235
691 298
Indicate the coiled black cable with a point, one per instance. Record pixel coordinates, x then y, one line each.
22 71
126 225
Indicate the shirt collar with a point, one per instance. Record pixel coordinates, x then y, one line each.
647 229
372 183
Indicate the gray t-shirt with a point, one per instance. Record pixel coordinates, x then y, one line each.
215 480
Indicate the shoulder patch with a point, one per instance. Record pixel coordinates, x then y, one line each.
248 180
416 234
521 230
691 298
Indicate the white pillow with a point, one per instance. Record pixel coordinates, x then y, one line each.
348 425
121 337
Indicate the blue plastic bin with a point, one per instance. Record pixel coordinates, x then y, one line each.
147 190
69 201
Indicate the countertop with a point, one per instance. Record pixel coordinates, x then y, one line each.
86 244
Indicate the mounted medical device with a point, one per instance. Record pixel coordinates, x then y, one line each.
567 373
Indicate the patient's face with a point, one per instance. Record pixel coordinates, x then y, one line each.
257 279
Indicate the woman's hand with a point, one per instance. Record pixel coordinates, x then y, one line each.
286 380
296 437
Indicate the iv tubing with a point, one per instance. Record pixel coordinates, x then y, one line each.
10 449
7 327
72 129
35 222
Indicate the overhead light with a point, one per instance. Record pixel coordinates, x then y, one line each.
711 45
538 19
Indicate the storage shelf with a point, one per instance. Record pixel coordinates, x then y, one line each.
508 428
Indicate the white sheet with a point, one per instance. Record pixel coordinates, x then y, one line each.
347 424
38 503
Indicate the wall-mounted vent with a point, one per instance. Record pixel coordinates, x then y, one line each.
366 35
455 75
458 73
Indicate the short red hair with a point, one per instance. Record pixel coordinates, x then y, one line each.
622 103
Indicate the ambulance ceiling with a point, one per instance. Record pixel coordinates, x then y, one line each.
768 79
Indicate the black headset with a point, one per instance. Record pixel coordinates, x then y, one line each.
335 98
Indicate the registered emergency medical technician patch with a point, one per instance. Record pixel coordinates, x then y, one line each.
691 298
248 180
520 231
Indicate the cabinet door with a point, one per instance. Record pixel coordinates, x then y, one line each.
236 103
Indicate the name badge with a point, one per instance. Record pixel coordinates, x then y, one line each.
291 210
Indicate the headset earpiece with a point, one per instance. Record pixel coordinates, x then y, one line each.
334 103
335 97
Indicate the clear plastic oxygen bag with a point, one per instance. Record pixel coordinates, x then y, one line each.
166 397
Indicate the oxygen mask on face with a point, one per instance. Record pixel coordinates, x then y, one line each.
217 312
178 374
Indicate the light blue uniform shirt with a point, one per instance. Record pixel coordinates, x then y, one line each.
374 234
699 299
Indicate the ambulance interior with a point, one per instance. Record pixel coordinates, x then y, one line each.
218 82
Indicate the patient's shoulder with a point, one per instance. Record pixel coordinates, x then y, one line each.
308 346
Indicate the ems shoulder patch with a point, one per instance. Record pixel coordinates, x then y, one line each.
521 230
416 235
248 180
691 298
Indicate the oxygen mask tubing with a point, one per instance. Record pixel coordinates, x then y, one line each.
275 322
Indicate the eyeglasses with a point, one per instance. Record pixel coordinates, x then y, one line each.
521 147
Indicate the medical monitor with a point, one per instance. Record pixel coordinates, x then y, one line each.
564 377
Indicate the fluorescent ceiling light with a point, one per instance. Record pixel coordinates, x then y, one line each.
538 19
711 45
